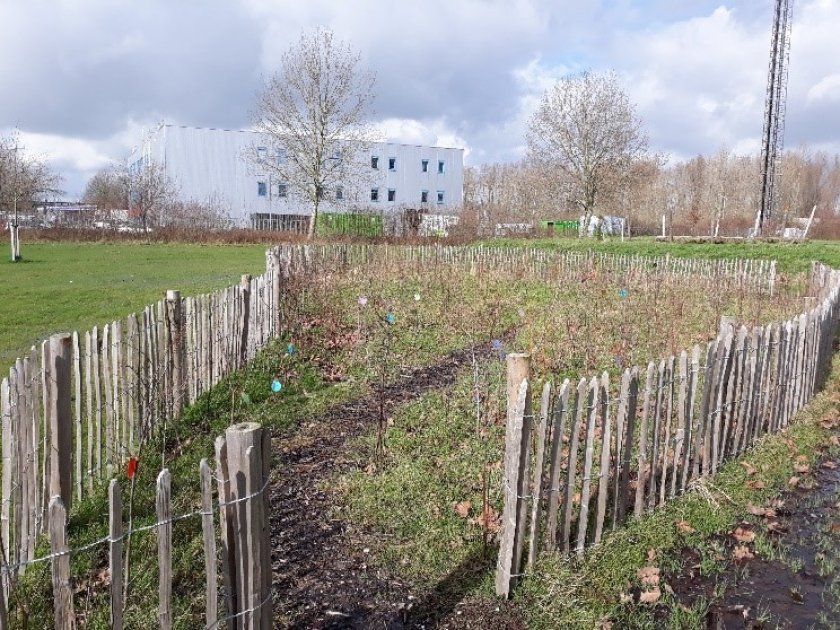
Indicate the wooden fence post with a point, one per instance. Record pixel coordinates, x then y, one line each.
212 591
65 618
246 537
115 560
173 315
517 449
245 314
60 419
163 506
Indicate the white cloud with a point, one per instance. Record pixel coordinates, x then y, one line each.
86 82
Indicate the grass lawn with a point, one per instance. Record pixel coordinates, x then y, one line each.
75 286
792 257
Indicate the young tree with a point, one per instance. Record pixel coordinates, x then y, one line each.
587 129
24 181
315 110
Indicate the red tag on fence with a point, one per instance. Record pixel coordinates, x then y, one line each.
131 468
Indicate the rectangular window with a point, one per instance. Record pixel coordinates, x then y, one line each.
339 193
282 191
392 194
280 157
440 197
424 196
424 166
374 162
374 194
392 164
261 153
261 189
440 166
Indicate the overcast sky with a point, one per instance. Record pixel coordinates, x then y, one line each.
82 79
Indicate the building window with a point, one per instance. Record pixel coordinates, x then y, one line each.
440 167
374 194
374 162
392 164
424 166
280 157
282 191
440 197
424 196
392 194
339 193
261 189
261 153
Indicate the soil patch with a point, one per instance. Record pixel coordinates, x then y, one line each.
323 578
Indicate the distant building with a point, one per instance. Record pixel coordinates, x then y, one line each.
211 165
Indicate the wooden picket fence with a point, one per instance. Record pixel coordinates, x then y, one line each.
124 380
596 454
77 407
242 473
755 274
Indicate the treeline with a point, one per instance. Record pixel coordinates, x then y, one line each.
706 195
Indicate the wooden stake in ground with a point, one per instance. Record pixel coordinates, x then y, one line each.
60 415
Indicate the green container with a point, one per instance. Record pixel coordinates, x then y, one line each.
348 225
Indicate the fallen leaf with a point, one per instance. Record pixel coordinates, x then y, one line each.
830 465
755 484
755 510
649 576
650 597
742 552
835 528
685 528
651 555
749 468
793 481
490 519
625 598
462 509
743 535
802 469
835 440
776 528
668 589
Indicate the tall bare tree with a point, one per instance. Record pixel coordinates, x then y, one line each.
587 129
150 191
315 110
108 190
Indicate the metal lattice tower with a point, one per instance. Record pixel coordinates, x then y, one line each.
772 140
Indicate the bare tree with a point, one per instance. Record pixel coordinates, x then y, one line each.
314 110
586 127
150 191
108 190
25 180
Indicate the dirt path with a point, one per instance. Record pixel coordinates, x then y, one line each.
321 578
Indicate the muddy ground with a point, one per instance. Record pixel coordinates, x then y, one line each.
323 577
800 586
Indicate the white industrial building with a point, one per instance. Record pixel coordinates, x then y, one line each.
211 165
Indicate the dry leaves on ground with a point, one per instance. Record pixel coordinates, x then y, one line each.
462 509
489 519
743 535
742 552
650 597
685 528
793 481
755 484
649 576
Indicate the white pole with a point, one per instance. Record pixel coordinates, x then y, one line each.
810 220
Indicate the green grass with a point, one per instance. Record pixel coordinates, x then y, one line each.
75 286
792 257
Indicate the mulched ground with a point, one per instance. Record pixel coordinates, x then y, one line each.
322 577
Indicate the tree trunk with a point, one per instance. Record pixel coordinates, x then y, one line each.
311 233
